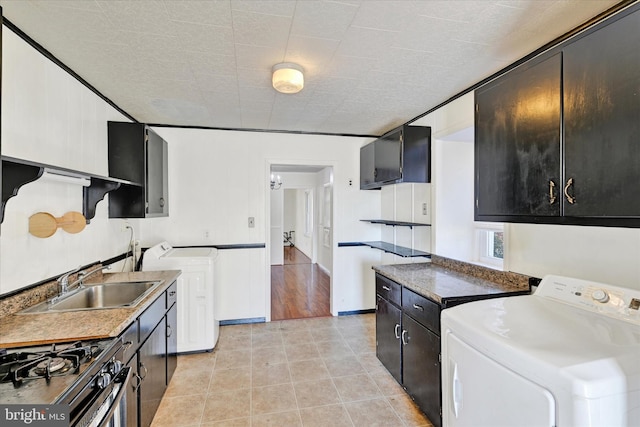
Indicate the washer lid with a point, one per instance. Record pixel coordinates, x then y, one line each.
552 342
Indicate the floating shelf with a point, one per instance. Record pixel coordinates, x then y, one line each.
396 223
18 172
390 248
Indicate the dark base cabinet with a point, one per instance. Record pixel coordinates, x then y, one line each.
388 337
421 367
151 351
152 367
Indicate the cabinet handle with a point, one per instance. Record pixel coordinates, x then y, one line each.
552 196
126 345
162 202
418 307
142 377
172 293
386 288
395 331
136 386
169 331
404 334
570 199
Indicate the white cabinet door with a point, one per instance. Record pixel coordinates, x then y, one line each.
478 392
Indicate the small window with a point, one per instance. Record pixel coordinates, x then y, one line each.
490 246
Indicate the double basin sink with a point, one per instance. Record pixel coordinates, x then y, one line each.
97 296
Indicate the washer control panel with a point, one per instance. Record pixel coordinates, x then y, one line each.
609 300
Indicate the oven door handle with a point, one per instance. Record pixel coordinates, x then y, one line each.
123 377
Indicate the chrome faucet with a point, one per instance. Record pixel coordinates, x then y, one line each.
83 275
63 281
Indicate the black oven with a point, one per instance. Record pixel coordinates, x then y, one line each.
89 377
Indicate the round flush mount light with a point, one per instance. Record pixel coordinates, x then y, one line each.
287 77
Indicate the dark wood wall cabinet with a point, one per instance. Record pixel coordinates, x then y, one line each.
401 155
151 353
139 155
558 138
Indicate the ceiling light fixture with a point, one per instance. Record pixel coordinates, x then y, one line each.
287 77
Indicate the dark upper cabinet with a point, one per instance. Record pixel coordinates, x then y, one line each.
601 75
558 138
517 147
138 154
402 155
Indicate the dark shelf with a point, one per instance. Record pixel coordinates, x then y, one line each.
396 223
18 172
389 247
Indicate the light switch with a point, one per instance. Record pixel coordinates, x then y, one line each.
252 222
424 208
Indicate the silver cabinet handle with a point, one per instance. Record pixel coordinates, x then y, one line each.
169 331
395 331
418 307
142 377
570 199
386 288
552 197
404 334
139 381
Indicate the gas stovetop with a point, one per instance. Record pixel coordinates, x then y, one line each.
45 374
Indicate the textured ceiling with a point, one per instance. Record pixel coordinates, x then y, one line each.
369 65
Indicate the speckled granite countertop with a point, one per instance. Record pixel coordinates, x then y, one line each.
18 330
441 284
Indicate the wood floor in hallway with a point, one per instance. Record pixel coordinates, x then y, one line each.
299 289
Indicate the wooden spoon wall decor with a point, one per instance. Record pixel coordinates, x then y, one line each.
43 224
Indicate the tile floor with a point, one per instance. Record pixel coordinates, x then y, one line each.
307 372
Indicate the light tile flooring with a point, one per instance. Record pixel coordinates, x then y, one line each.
307 372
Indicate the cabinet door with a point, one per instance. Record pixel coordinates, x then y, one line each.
388 158
517 145
132 393
172 341
602 120
157 182
152 370
388 348
421 367
367 166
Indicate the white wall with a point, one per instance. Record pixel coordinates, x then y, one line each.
278 215
48 117
289 220
219 178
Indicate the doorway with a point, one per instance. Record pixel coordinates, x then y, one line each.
301 253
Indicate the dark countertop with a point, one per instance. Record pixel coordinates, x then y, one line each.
441 284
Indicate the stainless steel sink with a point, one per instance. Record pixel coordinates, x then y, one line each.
98 296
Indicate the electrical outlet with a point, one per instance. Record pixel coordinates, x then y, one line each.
252 222
424 208
125 226
206 234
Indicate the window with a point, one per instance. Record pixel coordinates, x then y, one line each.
490 245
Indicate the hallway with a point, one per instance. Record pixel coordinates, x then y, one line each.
299 289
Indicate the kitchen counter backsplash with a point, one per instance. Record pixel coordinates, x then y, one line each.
38 294
506 278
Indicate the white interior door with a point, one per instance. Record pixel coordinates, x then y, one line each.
277 215
479 392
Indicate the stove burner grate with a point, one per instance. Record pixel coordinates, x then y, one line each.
20 366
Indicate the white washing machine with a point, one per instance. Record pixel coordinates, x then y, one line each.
568 355
198 327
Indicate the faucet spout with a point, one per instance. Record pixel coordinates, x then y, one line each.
63 281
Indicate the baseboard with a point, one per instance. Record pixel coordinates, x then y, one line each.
242 321
327 272
349 313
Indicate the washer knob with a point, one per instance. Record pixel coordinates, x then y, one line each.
600 296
